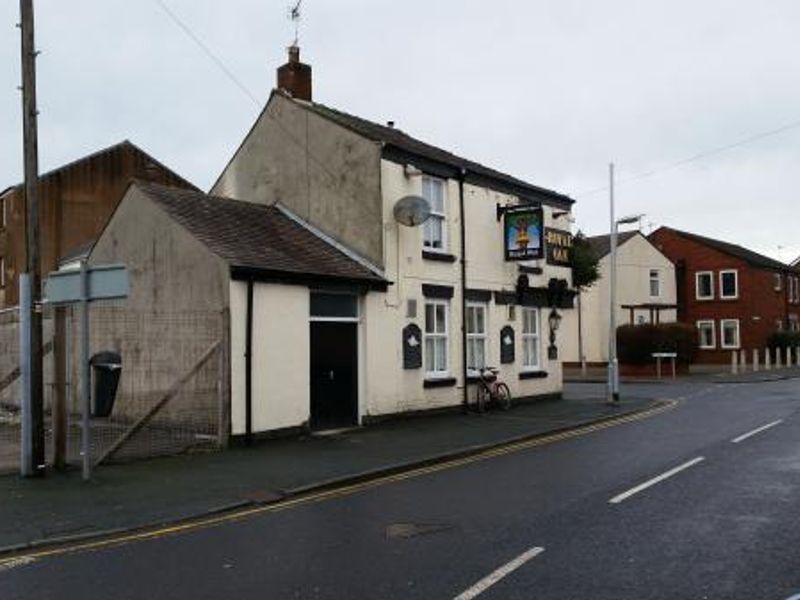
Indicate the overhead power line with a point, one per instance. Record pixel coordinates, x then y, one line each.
699 156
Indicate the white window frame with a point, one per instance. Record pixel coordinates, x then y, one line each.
722 295
435 214
478 337
738 344
697 277
657 281
529 337
437 335
779 282
700 324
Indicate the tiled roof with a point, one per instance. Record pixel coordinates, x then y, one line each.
257 237
753 258
601 244
398 139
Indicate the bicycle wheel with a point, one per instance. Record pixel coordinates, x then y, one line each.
503 396
482 397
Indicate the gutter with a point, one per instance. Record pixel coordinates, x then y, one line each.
248 374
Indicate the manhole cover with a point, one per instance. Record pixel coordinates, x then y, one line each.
410 530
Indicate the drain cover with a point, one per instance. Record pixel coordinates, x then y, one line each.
410 530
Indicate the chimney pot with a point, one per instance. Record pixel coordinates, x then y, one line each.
390 124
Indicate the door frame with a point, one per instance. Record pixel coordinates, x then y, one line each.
360 355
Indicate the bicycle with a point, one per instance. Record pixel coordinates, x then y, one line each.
491 390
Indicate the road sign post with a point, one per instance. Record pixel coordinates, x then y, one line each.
82 286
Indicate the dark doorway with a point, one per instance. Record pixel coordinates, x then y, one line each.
334 375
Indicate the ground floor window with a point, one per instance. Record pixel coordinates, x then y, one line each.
436 330
531 356
730 333
706 335
476 337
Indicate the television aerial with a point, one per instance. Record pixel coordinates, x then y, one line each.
412 211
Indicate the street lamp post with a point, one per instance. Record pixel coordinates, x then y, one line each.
613 362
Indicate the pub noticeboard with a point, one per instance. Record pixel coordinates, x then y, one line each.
557 244
522 233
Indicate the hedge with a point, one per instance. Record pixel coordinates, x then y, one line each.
784 339
637 343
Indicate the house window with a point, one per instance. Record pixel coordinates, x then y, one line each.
436 338
655 283
730 333
476 337
728 284
435 228
704 285
779 282
531 358
707 338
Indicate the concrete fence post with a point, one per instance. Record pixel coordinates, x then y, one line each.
767 360
734 362
756 360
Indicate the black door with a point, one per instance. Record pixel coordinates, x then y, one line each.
334 375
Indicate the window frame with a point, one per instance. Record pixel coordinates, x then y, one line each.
697 277
473 337
657 281
738 344
426 335
778 282
435 214
536 338
722 273
699 324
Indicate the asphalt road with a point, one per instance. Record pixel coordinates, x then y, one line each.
668 507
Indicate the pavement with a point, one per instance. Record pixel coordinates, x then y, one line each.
62 508
599 375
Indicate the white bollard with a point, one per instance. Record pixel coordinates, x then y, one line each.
743 361
767 360
734 362
756 361
788 352
777 357
797 352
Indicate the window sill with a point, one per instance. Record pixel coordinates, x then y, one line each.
533 374
437 382
437 256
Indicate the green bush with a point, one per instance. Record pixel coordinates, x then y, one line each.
637 343
784 339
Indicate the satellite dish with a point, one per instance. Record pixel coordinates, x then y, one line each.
412 211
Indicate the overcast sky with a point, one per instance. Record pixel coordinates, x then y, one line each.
549 91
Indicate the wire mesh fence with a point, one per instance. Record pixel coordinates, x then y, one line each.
167 400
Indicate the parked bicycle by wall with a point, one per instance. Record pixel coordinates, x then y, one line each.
491 390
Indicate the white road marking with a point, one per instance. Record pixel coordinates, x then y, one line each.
655 480
744 436
491 579
13 563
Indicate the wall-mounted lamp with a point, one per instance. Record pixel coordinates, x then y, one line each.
411 171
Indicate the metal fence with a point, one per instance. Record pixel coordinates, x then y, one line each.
171 397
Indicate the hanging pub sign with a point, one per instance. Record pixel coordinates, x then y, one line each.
523 233
557 245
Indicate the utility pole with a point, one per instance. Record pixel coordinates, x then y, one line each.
31 153
613 365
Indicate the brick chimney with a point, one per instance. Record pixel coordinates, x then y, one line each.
295 77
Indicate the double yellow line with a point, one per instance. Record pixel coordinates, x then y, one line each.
344 490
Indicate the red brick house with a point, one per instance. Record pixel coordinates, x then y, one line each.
735 297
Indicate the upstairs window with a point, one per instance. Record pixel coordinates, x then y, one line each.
704 285
655 283
778 282
435 228
728 284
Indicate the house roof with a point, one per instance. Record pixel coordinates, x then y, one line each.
115 147
400 145
753 258
601 244
257 240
